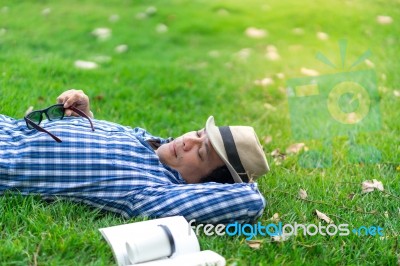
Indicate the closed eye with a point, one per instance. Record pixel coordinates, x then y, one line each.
198 133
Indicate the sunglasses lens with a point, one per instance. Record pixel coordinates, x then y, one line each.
35 117
56 112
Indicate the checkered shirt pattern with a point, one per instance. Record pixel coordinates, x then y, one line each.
115 169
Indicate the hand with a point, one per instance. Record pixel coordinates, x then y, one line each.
77 99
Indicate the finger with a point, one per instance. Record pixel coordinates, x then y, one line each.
65 95
70 101
74 114
68 112
61 98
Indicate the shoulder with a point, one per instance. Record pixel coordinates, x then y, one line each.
141 132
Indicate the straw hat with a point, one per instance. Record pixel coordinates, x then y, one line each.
240 149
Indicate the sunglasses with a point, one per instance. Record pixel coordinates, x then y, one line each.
54 112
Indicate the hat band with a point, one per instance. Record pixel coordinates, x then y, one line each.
232 153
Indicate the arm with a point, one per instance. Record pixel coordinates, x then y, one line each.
207 202
76 98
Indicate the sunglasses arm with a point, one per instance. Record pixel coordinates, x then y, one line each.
79 112
39 128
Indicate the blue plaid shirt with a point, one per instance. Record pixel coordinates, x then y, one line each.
115 169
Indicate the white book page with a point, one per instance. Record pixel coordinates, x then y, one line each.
117 236
201 258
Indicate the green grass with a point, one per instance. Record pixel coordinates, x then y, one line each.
169 84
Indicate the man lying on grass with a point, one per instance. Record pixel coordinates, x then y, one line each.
205 175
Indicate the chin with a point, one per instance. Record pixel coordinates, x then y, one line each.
161 153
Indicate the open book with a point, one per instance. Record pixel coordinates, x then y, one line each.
159 242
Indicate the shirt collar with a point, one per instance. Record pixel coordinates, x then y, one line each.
172 172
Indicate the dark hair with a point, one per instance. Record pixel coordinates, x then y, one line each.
219 175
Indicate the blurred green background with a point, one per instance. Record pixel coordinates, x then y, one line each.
166 66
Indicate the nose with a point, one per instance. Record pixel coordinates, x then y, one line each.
190 141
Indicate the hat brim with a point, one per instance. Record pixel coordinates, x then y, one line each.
215 138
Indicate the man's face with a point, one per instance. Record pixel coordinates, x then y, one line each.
191 154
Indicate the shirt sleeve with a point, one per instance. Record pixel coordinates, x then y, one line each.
205 203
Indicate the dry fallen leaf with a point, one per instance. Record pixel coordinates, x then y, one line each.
272 53
302 194
369 63
278 156
270 107
322 36
309 72
243 53
254 244
275 218
161 28
351 196
264 82
296 148
323 216
383 89
352 118
369 186
267 139
46 11
384 20
99 97
272 56
122 48
151 10
281 238
389 236
85 64
253 32
41 99
102 33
